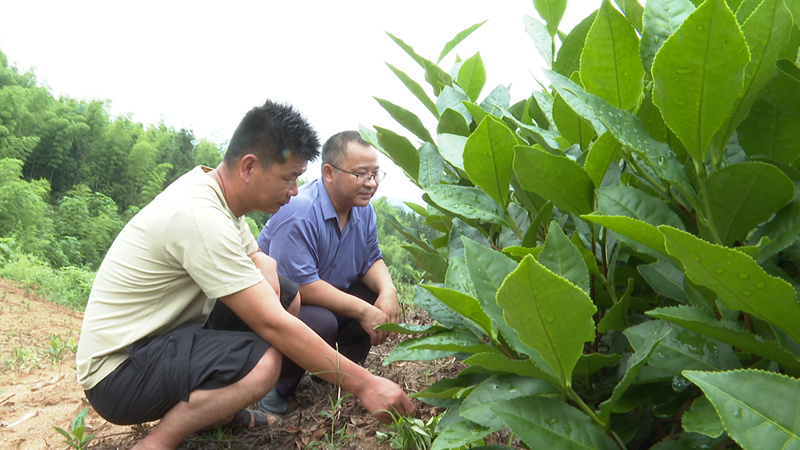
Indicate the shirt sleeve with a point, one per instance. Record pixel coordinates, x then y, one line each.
293 244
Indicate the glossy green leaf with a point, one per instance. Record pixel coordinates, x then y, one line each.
660 20
627 129
635 229
633 11
406 118
561 257
636 204
572 127
404 351
433 264
409 233
591 363
457 40
702 418
738 280
602 154
415 89
468 202
633 366
452 98
488 156
542 422
701 321
666 279
568 58
400 150
431 165
552 11
452 122
766 31
462 304
472 76
556 178
759 409
487 269
453 341
542 39
459 434
535 302
741 196
497 101
769 131
784 90
457 277
618 317
610 64
451 147
698 74
783 230
682 349
499 389
495 363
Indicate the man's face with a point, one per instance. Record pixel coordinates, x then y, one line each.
277 184
349 189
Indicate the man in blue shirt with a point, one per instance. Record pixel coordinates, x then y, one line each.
325 239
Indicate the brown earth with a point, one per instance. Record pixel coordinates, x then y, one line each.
37 394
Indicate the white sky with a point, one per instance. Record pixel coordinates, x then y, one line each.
201 65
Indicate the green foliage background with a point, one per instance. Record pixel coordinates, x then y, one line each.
616 258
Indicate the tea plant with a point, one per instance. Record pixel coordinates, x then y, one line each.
76 437
617 261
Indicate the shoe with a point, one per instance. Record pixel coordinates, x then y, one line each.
274 403
253 418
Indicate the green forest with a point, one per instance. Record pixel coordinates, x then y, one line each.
71 176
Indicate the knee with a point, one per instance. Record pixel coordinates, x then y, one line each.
294 306
321 320
266 372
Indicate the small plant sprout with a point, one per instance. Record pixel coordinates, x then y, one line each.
77 437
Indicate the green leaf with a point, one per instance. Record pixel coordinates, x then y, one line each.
488 156
617 317
633 11
452 98
431 165
468 202
702 418
459 434
556 178
542 39
701 321
635 229
770 132
472 77
457 40
666 279
784 91
432 263
572 127
741 196
495 363
407 119
636 204
738 280
552 11
409 233
415 89
457 277
497 101
660 21
561 257
698 74
400 151
463 304
634 365
782 231
404 352
452 123
569 55
627 129
499 389
459 341
550 314
682 349
410 328
591 363
759 409
610 64
451 147
542 422
602 153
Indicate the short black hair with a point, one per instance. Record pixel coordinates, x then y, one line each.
334 151
272 132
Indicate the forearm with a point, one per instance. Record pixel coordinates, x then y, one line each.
379 279
321 293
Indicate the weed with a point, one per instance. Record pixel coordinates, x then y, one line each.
336 437
77 437
21 358
408 433
57 348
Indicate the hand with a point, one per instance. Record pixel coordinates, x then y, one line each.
381 396
371 319
387 302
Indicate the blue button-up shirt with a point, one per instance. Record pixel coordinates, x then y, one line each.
304 237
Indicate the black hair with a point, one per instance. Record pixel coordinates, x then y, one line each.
334 151
272 132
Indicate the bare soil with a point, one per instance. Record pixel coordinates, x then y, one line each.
38 394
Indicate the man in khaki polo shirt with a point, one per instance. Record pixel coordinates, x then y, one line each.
147 349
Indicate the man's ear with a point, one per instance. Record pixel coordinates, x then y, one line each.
246 166
328 173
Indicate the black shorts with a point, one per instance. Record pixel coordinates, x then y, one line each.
163 370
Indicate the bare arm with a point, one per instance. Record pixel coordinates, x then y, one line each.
268 267
261 310
379 280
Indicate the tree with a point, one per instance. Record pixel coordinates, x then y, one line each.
24 212
621 249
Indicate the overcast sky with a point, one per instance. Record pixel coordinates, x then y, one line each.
202 65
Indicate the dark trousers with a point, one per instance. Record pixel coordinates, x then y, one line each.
344 333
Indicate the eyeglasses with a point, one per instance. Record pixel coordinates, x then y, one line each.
362 178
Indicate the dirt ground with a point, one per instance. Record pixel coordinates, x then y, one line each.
37 394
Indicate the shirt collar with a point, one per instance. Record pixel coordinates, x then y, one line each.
328 211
